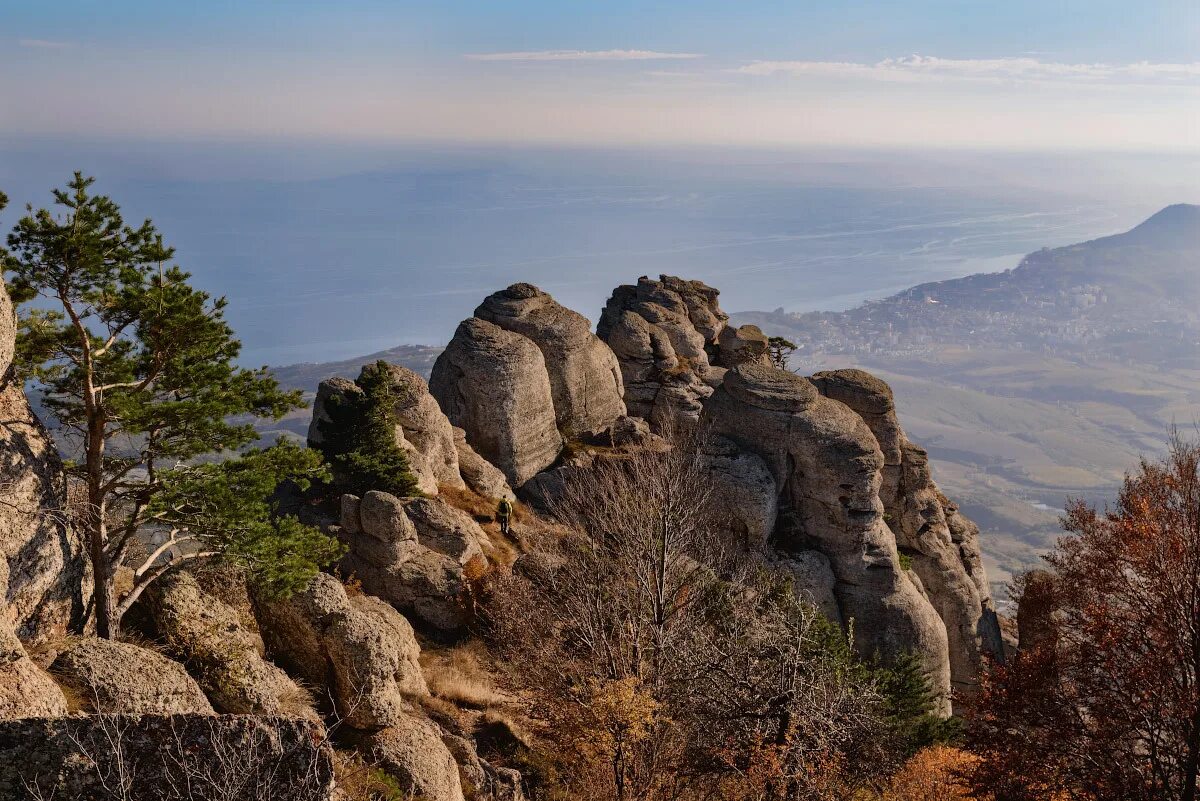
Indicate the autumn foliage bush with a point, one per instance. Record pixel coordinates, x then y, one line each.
1103 699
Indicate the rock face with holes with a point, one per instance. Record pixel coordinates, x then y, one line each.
493 384
109 676
225 658
585 379
942 544
660 332
827 466
359 648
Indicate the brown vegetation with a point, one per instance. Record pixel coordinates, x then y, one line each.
1103 701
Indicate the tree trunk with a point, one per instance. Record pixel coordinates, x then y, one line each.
97 531
102 601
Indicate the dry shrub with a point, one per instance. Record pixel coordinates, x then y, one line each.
460 675
933 774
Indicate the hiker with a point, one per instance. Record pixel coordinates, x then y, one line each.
503 514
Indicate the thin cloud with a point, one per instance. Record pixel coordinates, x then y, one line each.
931 68
582 55
43 44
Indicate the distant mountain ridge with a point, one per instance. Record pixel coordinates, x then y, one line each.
1133 295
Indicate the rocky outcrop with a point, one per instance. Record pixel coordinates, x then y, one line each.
813 581
1037 610
422 430
585 379
744 345
411 554
479 474
659 331
942 545
119 677
205 634
827 466
745 499
26 691
411 751
45 558
359 648
485 781
215 758
493 384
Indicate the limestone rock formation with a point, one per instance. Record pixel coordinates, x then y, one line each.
109 676
44 557
659 331
813 581
942 544
449 531
585 379
488 783
26 691
744 493
205 634
479 474
410 553
422 430
215 758
827 465
744 345
411 751
358 647
494 385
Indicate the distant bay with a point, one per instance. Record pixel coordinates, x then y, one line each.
324 268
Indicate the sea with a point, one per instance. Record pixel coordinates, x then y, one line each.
327 253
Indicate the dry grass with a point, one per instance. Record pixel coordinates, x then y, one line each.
481 508
460 675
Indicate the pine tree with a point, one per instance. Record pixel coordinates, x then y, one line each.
359 439
910 706
138 369
780 350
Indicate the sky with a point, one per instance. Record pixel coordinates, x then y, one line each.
1023 75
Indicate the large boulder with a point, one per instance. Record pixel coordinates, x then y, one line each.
411 751
493 384
661 332
119 677
743 345
226 659
358 647
941 543
44 555
442 528
205 757
26 691
826 464
416 569
480 475
585 379
745 497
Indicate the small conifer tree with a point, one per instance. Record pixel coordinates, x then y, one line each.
359 438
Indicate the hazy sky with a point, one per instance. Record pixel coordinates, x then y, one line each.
1021 74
